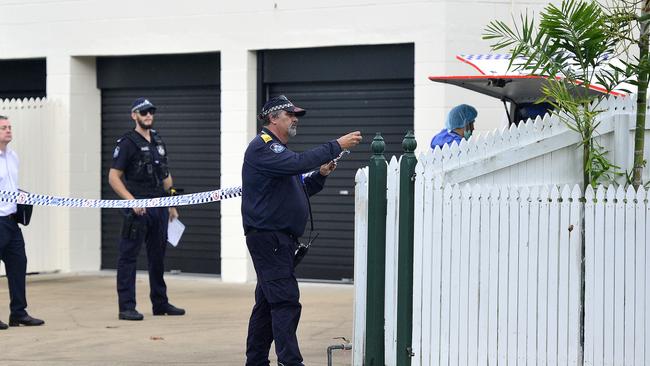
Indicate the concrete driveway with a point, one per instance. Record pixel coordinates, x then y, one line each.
80 311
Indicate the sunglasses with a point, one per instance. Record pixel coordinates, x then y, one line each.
147 111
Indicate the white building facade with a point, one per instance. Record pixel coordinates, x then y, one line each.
72 35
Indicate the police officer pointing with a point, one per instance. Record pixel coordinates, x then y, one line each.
140 170
276 183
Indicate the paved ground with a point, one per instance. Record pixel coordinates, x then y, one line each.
82 326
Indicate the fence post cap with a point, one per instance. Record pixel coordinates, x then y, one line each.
378 145
409 144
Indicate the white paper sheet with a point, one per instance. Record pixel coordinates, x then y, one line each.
175 231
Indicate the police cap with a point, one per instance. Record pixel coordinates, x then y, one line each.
280 103
142 104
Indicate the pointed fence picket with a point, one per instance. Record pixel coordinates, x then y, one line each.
630 254
392 217
543 281
610 277
360 264
619 276
421 260
502 273
640 307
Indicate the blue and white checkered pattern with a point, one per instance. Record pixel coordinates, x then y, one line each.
181 200
487 56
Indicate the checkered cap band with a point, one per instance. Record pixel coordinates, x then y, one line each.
280 103
142 104
276 108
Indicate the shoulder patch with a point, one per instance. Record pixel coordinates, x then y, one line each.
266 138
116 152
277 148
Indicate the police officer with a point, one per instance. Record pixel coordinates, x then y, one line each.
140 170
276 183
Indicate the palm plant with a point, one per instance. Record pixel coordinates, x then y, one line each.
573 46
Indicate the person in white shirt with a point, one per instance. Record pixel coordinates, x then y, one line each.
12 244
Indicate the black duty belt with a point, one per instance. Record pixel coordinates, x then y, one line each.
254 231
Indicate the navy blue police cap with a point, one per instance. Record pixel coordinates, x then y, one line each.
142 104
280 103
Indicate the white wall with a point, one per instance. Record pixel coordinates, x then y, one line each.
71 33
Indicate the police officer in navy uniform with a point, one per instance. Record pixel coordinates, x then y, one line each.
276 183
140 170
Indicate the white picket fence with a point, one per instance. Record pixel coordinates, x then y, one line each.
497 277
34 125
497 274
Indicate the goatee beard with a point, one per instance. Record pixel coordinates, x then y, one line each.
145 127
293 131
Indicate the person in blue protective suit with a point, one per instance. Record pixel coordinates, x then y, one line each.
458 125
276 185
140 170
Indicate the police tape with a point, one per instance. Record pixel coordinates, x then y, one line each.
180 200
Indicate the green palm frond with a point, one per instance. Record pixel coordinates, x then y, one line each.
575 41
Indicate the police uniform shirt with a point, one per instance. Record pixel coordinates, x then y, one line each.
8 179
274 190
126 151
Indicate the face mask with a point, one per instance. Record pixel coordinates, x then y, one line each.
467 135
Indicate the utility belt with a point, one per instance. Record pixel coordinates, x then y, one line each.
145 189
301 250
132 229
255 231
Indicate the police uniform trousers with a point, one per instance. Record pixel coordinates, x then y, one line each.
276 312
12 253
153 232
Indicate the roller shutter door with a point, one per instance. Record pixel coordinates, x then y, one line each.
185 88
371 92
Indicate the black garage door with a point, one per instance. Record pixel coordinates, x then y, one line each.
366 88
185 88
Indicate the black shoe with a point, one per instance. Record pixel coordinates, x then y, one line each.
3 326
130 315
169 309
24 320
